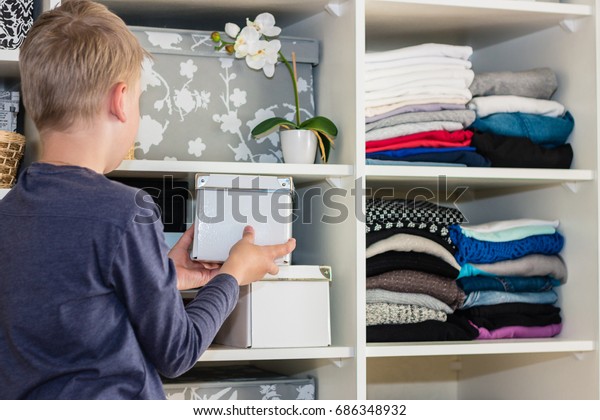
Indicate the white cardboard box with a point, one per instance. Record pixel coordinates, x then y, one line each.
289 312
226 203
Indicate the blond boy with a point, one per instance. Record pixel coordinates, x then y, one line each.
89 301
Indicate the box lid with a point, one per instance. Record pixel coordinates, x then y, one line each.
199 43
247 182
301 273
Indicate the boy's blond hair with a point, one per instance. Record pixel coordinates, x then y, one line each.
72 56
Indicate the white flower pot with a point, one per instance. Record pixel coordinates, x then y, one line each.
298 146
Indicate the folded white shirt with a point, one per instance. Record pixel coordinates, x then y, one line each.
425 83
451 74
400 94
500 225
413 65
487 105
422 50
405 242
417 61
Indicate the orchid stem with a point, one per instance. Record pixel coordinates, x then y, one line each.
295 84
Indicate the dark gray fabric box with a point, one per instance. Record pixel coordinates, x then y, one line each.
238 383
201 104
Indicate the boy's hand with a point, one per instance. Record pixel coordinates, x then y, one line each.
190 274
248 262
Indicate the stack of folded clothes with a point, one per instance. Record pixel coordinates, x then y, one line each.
509 272
416 106
517 124
411 270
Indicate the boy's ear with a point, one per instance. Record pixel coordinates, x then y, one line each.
117 101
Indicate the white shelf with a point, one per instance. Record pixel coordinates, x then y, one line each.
474 177
299 172
480 22
457 348
3 192
9 63
193 13
224 353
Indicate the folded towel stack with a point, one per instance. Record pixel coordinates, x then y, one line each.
416 106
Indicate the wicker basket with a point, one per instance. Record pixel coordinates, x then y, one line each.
12 146
130 154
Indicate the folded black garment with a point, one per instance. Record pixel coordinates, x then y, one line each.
501 315
520 152
454 329
419 261
379 235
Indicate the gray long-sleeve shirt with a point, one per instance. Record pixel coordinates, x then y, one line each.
89 307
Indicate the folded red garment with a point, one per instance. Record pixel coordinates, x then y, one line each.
439 138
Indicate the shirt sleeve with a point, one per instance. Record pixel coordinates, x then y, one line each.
172 336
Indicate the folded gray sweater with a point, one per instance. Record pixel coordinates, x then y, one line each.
539 83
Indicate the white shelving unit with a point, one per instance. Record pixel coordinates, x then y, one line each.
505 35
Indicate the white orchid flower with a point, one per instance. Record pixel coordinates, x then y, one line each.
232 30
265 25
245 41
263 55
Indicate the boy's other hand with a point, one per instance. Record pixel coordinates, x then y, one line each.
190 274
248 262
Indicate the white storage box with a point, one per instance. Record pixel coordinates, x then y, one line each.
290 310
225 204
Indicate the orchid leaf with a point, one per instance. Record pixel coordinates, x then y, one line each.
269 125
320 124
325 130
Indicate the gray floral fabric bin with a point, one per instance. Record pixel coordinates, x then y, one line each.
201 104
238 383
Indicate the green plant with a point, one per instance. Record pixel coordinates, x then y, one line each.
255 43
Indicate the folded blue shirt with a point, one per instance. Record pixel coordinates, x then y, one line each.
507 284
540 129
475 251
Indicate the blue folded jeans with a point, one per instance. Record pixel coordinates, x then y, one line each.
481 298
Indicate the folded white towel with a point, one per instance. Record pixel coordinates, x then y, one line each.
423 50
487 105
